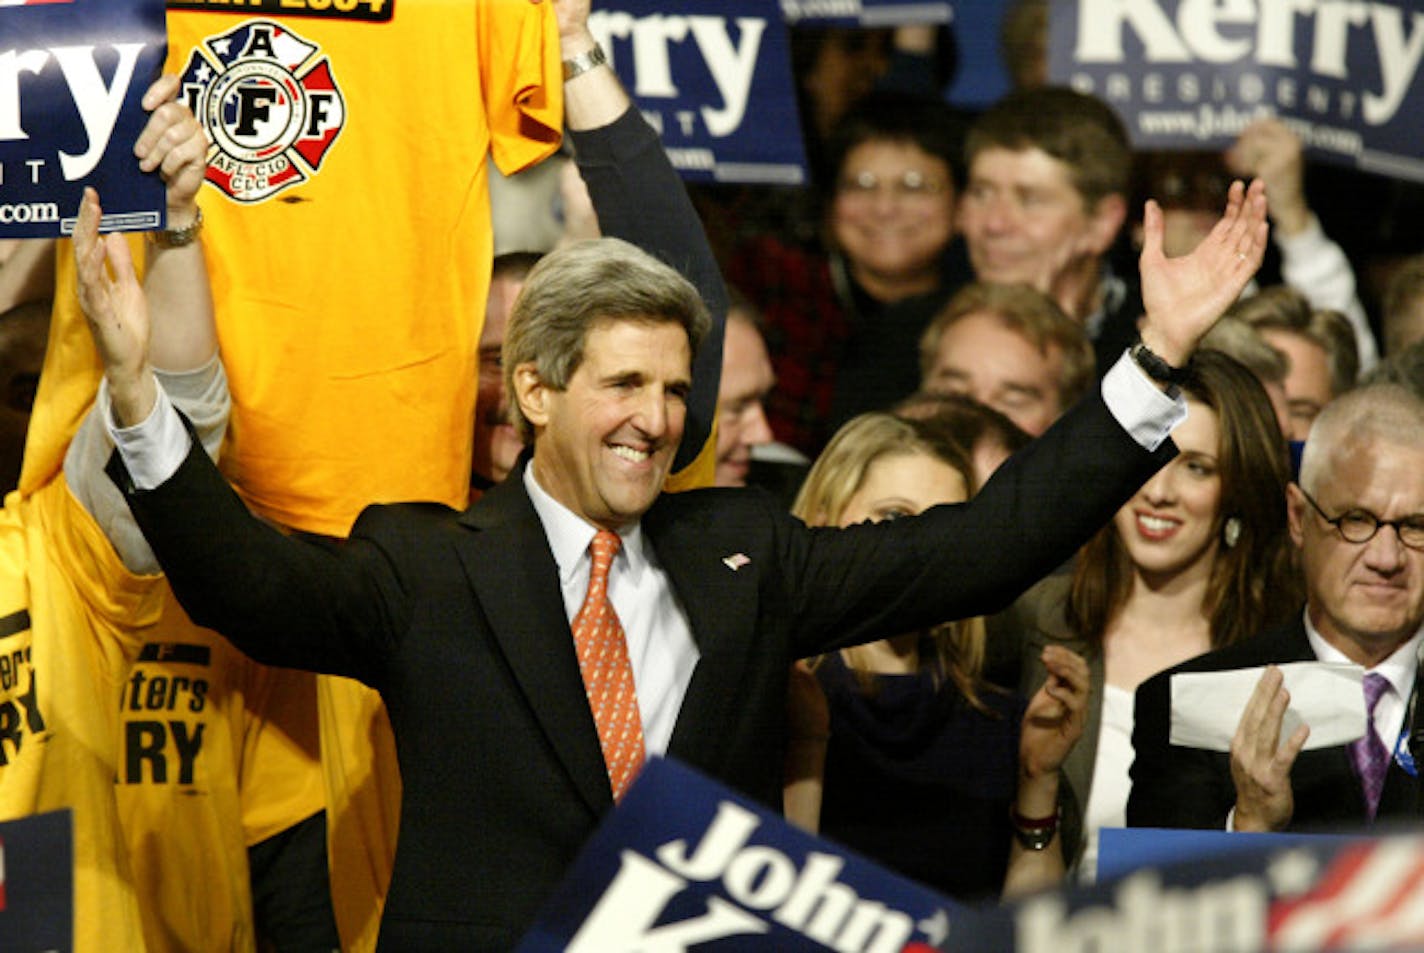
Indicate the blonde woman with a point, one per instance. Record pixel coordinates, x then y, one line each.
899 749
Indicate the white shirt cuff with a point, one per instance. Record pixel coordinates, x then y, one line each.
1308 241
152 449
1137 403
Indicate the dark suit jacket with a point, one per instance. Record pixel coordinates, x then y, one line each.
457 619
1187 787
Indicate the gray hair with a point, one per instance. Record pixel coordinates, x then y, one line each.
1383 412
574 288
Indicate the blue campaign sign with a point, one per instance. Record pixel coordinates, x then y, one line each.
867 13
1122 850
72 74
37 883
714 78
1193 74
1217 891
685 863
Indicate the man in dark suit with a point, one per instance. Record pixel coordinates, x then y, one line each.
470 624
1357 516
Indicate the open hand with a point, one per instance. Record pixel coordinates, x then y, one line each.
1260 764
116 309
1185 296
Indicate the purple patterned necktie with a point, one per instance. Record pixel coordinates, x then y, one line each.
1368 754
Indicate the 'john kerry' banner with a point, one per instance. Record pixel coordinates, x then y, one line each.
72 74
867 13
1193 73
685 864
714 78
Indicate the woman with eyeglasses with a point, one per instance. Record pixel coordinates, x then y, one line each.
1197 559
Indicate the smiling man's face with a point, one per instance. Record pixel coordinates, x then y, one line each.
604 444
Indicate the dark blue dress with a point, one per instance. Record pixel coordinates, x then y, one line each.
919 781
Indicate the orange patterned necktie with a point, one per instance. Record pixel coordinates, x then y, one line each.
607 673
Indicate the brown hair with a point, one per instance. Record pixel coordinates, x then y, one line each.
1404 287
1023 42
1035 316
1283 308
1254 584
1078 130
963 420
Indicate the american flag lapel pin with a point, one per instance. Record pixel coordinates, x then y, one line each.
736 561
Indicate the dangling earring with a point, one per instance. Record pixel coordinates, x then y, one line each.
1231 531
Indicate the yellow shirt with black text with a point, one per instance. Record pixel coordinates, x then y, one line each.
72 619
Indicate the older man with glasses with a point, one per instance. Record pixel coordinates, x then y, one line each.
1357 516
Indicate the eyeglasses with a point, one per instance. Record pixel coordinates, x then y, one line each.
1360 526
911 184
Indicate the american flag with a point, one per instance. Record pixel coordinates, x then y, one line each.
1371 897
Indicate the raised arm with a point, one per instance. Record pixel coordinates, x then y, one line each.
175 275
181 335
640 198
179 350
283 600
975 558
1310 260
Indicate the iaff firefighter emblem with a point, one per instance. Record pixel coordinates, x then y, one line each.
269 104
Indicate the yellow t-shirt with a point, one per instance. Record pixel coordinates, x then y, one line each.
198 738
72 618
348 240
69 378
348 230
363 790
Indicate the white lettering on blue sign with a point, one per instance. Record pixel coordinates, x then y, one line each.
732 65
810 900
1197 35
1218 915
98 104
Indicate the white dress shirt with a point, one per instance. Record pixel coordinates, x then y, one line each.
1111 782
660 644
1398 670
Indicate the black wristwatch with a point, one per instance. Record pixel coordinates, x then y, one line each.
1156 368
